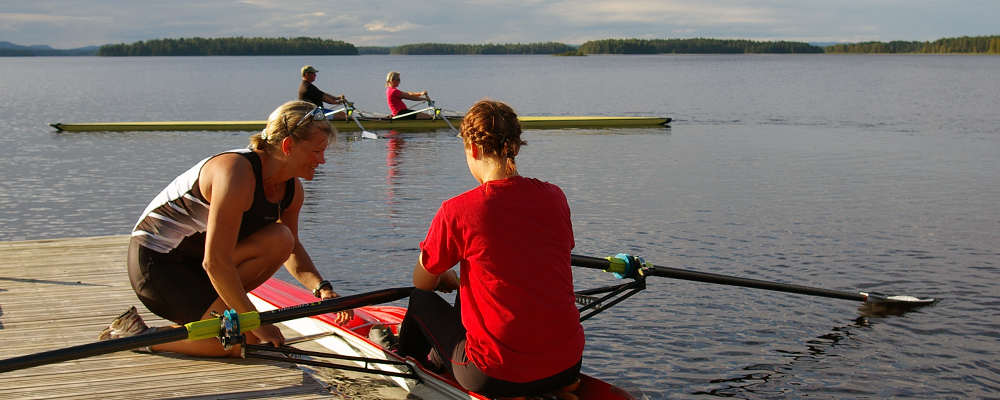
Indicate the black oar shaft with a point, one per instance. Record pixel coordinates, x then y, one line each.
334 305
666 272
93 349
174 334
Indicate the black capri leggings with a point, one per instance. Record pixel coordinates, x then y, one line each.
431 322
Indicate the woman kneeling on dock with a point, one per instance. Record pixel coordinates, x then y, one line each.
517 330
224 227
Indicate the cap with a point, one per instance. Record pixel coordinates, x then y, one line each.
308 69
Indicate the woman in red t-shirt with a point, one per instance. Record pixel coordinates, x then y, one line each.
395 97
517 330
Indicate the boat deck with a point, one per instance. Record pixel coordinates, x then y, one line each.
62 292
550 122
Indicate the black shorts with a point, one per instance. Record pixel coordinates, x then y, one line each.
406 111
172 286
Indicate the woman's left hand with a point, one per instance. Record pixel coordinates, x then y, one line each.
343 317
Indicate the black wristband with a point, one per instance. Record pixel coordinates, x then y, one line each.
326 284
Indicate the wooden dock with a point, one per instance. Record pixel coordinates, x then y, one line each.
63 292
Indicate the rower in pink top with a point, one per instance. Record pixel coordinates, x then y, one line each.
395 98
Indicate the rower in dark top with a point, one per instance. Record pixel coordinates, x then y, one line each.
309 92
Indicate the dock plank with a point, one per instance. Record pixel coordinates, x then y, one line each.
63 292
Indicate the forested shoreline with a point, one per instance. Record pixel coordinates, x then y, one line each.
960 45
695 46
240 46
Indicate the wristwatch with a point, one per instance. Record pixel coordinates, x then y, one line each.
324 284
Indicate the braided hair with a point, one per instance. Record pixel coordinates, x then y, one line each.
493 126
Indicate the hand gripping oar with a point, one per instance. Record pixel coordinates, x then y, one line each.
206 328
622 268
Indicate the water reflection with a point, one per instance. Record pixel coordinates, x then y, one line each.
780 379
393 161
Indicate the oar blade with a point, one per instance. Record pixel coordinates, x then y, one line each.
880 305
368 135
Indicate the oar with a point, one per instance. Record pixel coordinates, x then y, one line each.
437 112
621 267
350 111
204 329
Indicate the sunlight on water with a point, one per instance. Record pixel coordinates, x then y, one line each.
848 173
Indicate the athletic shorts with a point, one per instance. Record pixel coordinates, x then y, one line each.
406 111
172 286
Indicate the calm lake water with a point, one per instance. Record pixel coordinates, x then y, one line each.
852 173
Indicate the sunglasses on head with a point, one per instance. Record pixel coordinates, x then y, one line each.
317 114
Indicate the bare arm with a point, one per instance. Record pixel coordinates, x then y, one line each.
299 264
445 282
329 98
228 183
415 96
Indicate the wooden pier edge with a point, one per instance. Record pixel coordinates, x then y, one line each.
56 293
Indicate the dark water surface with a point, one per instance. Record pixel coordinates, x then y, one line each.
852 173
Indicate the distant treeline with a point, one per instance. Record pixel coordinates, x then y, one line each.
694 46
238 46
509 48
964 45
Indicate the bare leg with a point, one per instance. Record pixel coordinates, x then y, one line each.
257 258
424 116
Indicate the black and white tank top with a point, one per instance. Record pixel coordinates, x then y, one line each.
177 218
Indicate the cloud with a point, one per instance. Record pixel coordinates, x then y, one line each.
380 26
12 19
662 12
76 23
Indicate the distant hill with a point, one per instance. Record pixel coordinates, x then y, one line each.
8 49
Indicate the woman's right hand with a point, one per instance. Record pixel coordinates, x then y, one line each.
270 334
448 281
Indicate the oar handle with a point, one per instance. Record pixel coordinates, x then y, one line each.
666 272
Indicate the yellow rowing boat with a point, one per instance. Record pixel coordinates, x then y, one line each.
369 124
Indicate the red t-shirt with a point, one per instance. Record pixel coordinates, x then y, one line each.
395 102
513 239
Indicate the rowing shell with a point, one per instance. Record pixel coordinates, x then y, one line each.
370 124
352 340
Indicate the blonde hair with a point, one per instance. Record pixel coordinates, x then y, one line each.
282 124
393 75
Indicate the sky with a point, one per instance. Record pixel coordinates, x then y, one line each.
66 24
